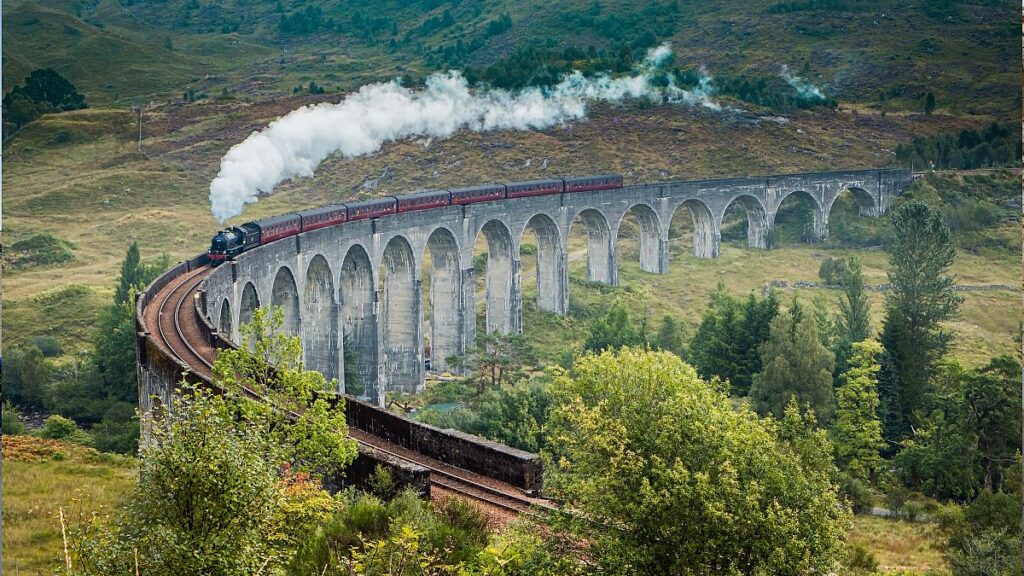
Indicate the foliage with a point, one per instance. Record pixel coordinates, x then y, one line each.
970 438
670 478
294 412
616 330
832 271
44 91
730 334
920 298
208 501
404 536
353 379
796 364
670 337
48 345
996 145
853 323
984 536
857 432
11 420
43 249
26 375
495 360
58 428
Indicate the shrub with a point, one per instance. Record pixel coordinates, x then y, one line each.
11 420
58 427
832 271
48 345
913 511
857 493
42 249
860 560
896 499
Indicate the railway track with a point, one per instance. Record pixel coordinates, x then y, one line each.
177 329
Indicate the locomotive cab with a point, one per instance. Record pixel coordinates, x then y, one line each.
226 244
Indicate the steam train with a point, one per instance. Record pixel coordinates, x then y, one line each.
232 241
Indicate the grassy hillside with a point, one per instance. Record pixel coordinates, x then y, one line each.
885 54
40 478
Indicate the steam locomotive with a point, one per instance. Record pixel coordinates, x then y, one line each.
232 241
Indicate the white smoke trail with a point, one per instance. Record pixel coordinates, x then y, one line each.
295 144
804 89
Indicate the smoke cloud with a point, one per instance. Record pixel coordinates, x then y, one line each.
804 89
295 144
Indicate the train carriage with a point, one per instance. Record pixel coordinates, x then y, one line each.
474 194
589 183
277 227
424 200
316 218
372 208
535 188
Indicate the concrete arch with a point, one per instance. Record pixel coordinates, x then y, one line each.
600 248
400 323
445 298
705 234
249 303
285 295
653 249
502 289
320 335
357 300
224 324
552 285
757 220
820 222
861 197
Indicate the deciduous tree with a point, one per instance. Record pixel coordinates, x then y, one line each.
670 478
857 431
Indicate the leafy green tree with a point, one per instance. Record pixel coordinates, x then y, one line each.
26 376
297 413
983 537
44 91
353 379
495 360
796 364
514 416
670 337
857 431
11 420
920 298
853 323
615 330
209 500
730 334
670 478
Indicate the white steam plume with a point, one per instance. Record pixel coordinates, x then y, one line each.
295 144
804 89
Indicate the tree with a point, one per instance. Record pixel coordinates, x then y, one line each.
857 432
670 337
921 297
670 478
615 330
44 91
929 103
796 365
495 360
731 332
969 440
353 379
210 500
296 411
853 323
26 376
131 274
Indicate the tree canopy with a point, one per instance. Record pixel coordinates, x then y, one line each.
670 478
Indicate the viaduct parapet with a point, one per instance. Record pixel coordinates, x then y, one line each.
361 282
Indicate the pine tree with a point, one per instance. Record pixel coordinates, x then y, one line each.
853 323
921 297
131 274
670 337
795 364
857 432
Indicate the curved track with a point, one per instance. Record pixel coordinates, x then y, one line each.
172 313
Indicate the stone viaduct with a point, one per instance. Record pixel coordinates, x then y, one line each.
363 279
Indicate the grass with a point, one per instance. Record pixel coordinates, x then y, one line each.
40 478
898 544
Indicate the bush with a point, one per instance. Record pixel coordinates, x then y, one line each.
116 435
833 271
860 560
857 493
913 511
11 420
896 499
58 427
48 345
